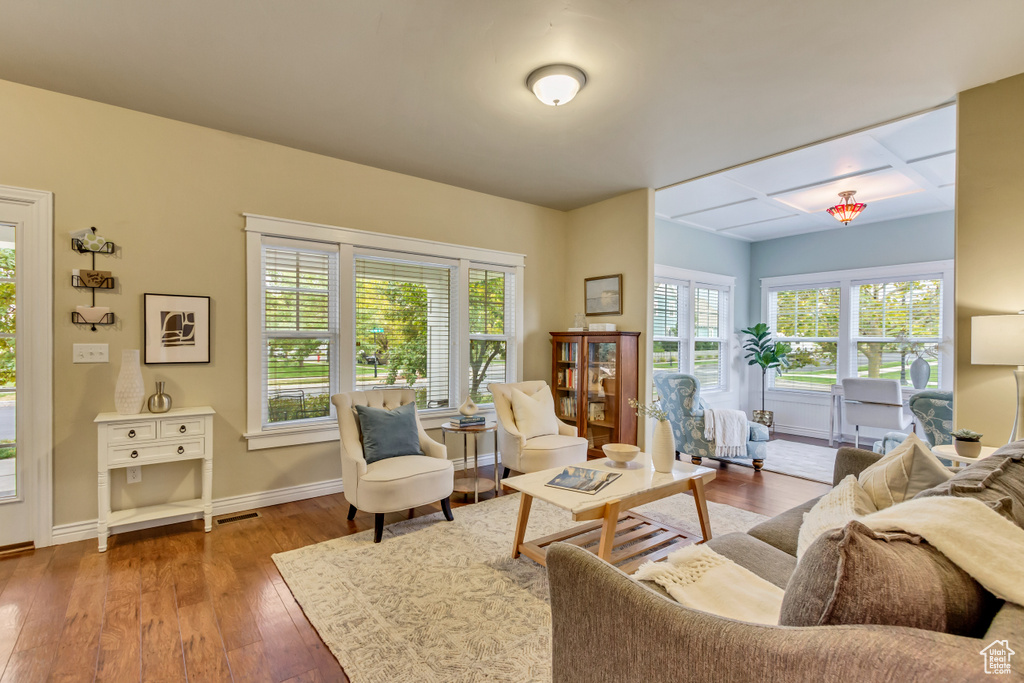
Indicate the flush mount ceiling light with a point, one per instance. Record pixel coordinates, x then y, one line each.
556 84
848 210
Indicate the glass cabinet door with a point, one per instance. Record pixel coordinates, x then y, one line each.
566 378
602 386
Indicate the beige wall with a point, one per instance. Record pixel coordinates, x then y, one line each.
610 237
171 196
989 244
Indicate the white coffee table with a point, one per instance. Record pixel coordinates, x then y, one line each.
948 451
611 523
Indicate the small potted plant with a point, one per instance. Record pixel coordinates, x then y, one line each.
967 443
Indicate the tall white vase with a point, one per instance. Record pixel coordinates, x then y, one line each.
663 451
129 391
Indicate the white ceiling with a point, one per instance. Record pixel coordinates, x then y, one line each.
905 168
436 88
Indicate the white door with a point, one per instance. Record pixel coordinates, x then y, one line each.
26 375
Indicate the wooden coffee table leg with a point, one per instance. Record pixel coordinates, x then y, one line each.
611 520
524 516
697 487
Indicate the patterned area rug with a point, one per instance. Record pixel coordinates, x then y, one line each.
444 602
797 459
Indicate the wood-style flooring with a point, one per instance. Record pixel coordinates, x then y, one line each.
177 604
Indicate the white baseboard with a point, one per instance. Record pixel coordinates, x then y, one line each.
86 530
802 431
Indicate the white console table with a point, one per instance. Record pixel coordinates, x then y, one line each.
148 439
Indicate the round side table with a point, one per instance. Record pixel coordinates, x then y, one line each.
948 451
476 483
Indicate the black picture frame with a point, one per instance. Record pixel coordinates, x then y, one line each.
176 328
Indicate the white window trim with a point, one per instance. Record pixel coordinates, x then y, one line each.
693 279
349 243
846 280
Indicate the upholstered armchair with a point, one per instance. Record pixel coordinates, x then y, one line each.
934 410
394 483
680 398
523 455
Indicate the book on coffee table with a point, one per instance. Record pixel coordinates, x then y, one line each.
582 479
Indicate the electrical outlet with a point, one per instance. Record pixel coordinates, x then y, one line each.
90 353
134 474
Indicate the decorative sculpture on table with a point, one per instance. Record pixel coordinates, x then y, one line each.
468 407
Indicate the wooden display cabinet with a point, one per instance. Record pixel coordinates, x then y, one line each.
593 376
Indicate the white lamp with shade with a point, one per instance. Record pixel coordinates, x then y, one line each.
999 340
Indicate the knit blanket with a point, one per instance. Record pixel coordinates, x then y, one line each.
700 578
727 429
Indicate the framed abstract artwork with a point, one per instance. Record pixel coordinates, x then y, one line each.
177 328
603 295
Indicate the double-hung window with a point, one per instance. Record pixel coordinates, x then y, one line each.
333 310
895 322
807 320
691 322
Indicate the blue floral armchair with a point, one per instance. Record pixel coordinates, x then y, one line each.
680 398
934 412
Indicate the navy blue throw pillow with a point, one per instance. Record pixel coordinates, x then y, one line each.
388 433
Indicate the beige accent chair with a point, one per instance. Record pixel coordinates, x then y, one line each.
541 452
392 484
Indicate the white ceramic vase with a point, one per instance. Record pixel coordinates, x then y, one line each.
663 451
129 391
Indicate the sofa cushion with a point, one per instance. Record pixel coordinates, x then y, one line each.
855 575
903 473
993 480
783 530
767 561
846 502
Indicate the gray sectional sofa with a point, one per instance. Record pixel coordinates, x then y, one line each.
609 628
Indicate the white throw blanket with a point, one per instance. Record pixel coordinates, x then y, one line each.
700 578
728 430
972 535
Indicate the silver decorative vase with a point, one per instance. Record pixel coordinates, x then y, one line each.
129 392
159 402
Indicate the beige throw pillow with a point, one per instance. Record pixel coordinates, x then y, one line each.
535 415
902 473
846 502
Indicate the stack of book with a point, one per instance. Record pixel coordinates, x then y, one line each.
468 420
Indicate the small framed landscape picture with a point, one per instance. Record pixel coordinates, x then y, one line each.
603 295
177 328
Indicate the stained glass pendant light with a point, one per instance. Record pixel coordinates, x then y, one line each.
848 209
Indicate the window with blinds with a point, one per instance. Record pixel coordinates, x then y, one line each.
894 323
806 319
491 323
403 327
300 331
709 343
689 330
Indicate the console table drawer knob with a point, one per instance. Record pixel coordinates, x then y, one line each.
182 429
181 449
135 454
131 434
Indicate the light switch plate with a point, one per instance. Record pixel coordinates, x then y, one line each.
90 353
134 474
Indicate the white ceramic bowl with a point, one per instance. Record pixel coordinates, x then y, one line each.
620 452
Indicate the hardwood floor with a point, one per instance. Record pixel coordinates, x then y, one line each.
174 603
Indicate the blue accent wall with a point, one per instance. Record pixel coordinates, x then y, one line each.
887 243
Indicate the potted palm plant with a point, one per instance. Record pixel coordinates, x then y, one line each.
768 355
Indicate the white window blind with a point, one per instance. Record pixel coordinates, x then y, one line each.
491 325
403 336
807 319
690 330
709 342
300 330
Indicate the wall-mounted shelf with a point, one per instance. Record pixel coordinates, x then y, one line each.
107 283
107 319
76 281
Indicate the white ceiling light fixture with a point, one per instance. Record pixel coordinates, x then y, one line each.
556 84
